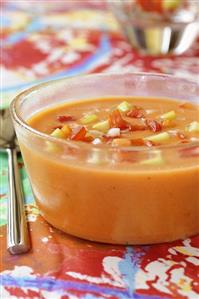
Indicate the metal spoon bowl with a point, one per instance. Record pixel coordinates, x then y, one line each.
17 230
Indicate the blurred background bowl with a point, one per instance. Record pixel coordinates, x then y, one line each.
158 27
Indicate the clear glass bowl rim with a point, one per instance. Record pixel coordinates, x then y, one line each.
14 110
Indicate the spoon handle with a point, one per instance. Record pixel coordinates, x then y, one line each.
17 229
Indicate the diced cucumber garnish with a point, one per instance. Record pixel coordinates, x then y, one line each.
162 137
58 133
170 4
169 115
88 119
193 127
102 126
124 106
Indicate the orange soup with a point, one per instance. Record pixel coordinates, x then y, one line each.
134 179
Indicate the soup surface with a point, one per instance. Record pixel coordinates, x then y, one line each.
122 122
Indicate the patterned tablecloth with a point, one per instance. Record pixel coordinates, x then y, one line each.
64 38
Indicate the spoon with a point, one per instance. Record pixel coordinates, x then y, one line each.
17 229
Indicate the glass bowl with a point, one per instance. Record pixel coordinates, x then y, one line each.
153 32
105 199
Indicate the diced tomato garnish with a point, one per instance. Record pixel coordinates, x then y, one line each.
79 134
116 120
153 125
65 118
137 142
151 5
135 113
138 127
88 138
190 152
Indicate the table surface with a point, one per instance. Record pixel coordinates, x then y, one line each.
48 41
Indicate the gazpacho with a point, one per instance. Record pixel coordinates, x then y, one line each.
118 170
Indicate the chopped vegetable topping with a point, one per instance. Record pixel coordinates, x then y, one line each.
58 133
97 141
129 124
193 127
116 120
113 132
162 137
87 119
153 125
79 134
124 106
171 5
65 118
66 130
88 138
102 126
167 123
136 113
169 115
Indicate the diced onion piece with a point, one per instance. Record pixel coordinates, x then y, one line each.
124 106
113 132
102 126
66 130
193 127
58 133
162 137
171 115
121 142
88 119
156 160
96 141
